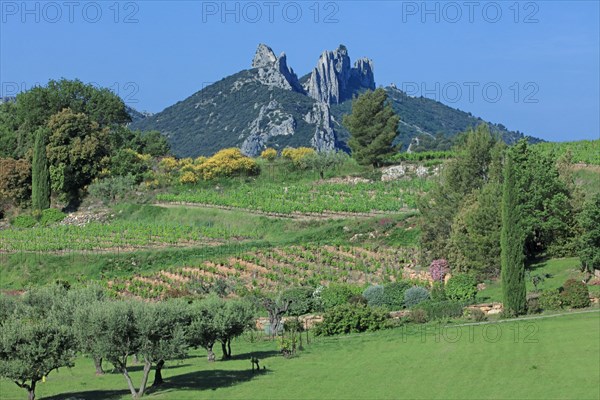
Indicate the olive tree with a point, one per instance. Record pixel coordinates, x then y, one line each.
32 348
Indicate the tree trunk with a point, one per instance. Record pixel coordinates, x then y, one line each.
211 353
147 368
129 382
224 348
98 365
31 391
229 348
158 379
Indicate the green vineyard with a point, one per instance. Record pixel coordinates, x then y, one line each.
314 197
268 269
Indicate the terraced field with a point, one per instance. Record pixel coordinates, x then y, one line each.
278 267
310 197
112 237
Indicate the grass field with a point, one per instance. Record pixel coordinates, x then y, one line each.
559 270
553 358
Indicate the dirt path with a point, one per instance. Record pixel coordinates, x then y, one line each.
294 215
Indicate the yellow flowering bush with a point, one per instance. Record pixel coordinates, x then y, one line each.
168 164
188 178
269 154
297 155
200 160
227 162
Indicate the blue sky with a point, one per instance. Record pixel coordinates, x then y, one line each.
533 66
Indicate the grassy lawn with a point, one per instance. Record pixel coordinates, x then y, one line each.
559 269
554 358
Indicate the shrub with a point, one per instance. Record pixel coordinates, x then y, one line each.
336 294
269 154
393 294
51 216
441 309
461 287
415 295
24 221
111 189
533 304
188 178
358 299
351 318
475 314
297 156
418 316
227 162
550 300
438 293
575 294
438 269
374 296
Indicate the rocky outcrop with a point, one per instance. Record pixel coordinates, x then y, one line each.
263 57
271 121
324 138
362 74
274 71
333 80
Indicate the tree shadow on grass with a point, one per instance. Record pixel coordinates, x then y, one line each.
91 395
198 380
207 380
258 354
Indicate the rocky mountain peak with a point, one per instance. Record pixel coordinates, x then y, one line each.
274 71
333 79
264 56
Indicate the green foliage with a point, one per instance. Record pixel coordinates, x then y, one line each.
51 216
23 221
415 295
589 241
302 300
436 310
461 287
112 189
393 294
40 175
77 150
337 294
351 318
374 295
475 165
575 294
550 299
583 151
438 292
31 349
511 243
373 126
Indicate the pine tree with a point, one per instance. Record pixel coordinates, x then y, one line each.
40 175
373 126
511 243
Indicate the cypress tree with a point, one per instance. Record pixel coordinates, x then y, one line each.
511 243
40 175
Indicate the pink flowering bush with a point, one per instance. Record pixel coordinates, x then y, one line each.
438 269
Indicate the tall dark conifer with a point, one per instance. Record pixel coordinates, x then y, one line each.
40 175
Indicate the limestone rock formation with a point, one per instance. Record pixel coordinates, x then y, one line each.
333 80
324 138
271 121
274 71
